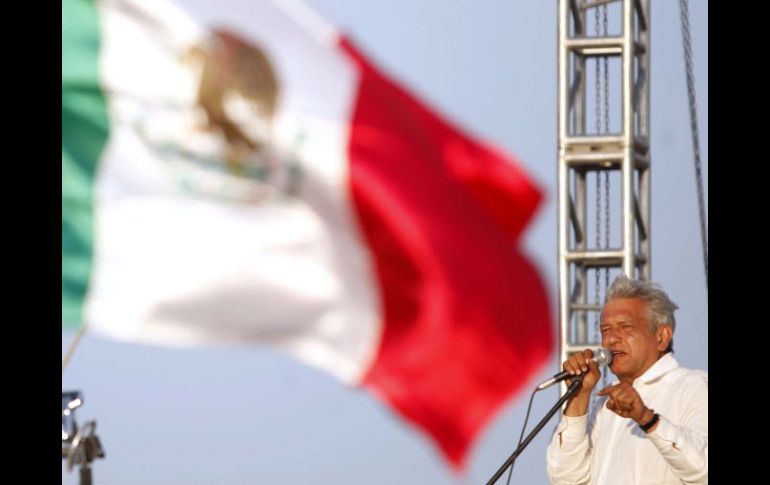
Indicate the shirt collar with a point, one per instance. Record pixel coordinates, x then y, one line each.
661 367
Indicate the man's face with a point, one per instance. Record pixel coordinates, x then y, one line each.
626 333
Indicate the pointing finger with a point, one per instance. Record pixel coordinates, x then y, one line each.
607 390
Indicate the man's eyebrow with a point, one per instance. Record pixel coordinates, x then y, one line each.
617 321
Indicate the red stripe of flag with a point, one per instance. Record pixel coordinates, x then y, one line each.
466 317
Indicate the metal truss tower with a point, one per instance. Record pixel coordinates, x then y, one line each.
623 155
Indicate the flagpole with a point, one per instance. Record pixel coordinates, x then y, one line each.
71 349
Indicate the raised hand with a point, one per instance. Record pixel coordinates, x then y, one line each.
624 401
580 363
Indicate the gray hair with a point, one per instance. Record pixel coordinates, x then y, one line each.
660 308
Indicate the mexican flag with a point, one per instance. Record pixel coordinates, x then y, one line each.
239 172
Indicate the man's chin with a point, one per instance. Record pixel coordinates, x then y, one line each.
617 370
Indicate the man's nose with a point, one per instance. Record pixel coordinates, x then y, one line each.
610 337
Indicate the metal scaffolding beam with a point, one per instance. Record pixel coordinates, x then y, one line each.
579 153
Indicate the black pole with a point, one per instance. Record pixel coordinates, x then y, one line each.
570 391
85 474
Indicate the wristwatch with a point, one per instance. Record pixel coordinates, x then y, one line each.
649 424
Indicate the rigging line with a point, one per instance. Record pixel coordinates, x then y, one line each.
687 45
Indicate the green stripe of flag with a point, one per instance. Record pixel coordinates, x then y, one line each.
84 133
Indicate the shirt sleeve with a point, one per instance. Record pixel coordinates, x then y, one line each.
568 458
684 446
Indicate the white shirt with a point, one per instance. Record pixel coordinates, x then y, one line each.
619 452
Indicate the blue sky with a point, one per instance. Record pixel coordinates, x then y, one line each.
248 414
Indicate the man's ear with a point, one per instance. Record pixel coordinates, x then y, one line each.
664 334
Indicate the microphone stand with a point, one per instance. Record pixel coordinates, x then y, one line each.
573 388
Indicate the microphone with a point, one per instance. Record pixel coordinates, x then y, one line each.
601 356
